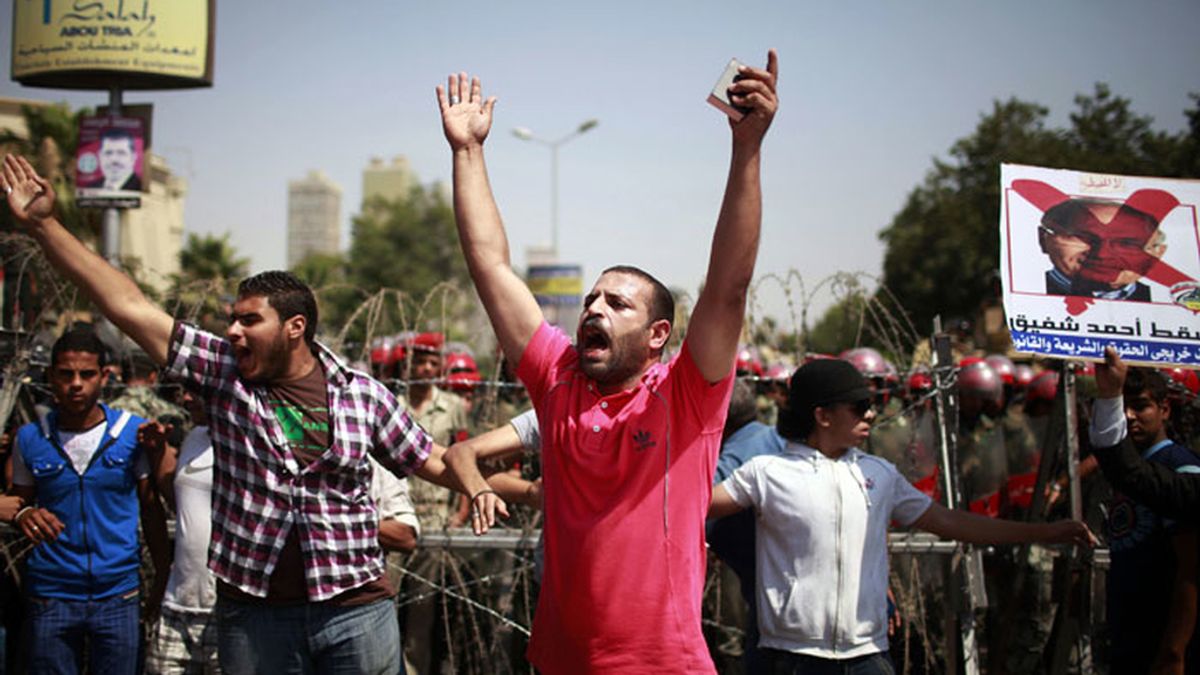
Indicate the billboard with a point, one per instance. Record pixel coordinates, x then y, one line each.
1090 261
98 44
558 290
110 162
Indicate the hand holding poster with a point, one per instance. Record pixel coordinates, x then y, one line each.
1089 261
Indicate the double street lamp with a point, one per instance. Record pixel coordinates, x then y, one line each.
527 135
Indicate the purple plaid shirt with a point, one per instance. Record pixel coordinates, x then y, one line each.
260 491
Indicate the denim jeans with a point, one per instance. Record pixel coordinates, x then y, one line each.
788 663
58 629
311 638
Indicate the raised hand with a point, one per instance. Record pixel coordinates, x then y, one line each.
30 196
153 435
466 115
1110 375
755 90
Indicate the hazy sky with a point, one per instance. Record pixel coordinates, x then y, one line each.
870 93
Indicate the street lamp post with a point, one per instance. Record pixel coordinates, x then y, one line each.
527 135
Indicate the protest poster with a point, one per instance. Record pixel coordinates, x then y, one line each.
110 162
1090 260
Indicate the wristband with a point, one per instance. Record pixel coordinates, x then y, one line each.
16 519
481 492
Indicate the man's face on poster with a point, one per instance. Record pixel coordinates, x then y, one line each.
116 160
1101 243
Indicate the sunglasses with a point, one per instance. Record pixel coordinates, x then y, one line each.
860 407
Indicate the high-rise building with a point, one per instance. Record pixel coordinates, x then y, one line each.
389 181
314 217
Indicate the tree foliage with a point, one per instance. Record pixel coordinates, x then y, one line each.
408 246
942 248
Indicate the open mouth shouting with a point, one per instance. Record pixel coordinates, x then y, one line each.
594 342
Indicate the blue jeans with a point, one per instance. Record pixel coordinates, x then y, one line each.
312 638
788 663
58 629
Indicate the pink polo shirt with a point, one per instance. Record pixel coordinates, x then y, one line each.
627 483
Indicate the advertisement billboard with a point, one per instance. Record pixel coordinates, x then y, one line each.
98 44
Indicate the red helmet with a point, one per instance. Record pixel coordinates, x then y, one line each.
460 362
1085 369
379 355
817 356
748 363
919 382
463 381
1044 387
398 353
975 376
1186 378
1004 368
1023 375
869 362
427 342
779 371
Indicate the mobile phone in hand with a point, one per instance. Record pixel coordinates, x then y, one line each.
720 92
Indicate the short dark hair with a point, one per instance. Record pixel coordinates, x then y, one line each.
113 134
139 366
79 340
1147 380
662 303
743 408
287 294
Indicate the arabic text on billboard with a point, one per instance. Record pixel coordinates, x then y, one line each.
70 43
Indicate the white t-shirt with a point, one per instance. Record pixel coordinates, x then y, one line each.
526 426
191 587
391 497
821 547
79 446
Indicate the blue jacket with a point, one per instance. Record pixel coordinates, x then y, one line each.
97 554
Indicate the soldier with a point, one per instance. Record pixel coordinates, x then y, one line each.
141 398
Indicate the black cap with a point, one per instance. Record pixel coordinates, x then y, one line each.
826 381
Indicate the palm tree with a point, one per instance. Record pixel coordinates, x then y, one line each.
209 271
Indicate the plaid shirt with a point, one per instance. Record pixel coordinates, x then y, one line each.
260 491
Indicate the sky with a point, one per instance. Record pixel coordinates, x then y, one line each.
870 93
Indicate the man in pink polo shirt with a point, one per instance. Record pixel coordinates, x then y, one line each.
629 443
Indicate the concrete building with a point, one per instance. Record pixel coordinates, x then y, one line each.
314 217
388 181
153 234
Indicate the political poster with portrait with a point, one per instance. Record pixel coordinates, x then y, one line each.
1092 260
110 161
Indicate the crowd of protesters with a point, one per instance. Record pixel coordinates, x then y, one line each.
292 473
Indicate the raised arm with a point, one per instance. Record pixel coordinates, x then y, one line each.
1174 495
31 199
163 457
716 323
466 121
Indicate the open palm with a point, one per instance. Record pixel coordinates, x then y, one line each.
30 196
466 116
